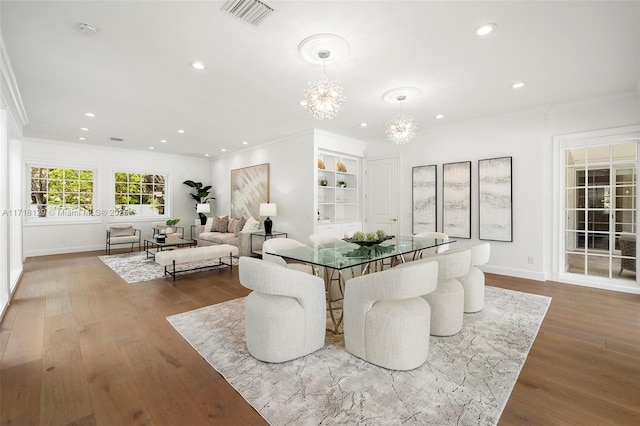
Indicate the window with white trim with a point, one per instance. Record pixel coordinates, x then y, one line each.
140 195
60 193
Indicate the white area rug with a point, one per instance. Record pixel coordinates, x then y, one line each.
466 380
135 267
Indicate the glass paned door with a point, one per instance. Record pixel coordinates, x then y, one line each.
600 210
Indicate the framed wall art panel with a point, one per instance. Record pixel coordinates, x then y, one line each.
424 198
495 210
456 199
249 188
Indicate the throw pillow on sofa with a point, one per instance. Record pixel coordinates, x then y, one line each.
208 225
239 225
220 224
251 225
232 224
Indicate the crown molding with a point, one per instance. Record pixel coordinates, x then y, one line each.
9 88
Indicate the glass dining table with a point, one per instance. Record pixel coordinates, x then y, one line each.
337 259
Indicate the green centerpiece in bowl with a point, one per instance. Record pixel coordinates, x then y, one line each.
368 239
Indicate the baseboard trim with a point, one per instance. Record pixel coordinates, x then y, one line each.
510 272
62 250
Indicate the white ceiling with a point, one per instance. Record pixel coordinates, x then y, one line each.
135 73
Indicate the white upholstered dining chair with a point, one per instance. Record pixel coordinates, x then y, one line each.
386 321
285 316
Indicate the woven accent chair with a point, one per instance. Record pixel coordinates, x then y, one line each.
122 233
627 248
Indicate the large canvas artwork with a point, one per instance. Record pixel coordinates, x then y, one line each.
456 199
249 188
424 198
494 195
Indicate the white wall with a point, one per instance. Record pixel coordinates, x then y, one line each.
516 135
527 137
15 221
43 239
291 182
4 208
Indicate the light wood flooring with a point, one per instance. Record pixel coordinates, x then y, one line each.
80 346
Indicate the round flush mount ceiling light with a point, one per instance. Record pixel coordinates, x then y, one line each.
310 48
518 84
485 30
181 131
89 114
86 28
439 116
393 96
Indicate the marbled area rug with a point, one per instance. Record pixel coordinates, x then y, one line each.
135 267
466 380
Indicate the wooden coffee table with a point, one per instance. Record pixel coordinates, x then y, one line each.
152 246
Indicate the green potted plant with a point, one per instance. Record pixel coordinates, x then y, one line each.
171 223
342 184
201 195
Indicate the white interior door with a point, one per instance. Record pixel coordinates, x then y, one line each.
382 195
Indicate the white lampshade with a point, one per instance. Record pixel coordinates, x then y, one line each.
268 209
203 208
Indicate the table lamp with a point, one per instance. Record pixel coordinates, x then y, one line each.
268 209
202 209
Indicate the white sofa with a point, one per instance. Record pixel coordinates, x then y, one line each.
242 240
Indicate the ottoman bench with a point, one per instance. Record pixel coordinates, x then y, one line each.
171 258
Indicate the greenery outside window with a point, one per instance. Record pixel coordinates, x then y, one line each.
61 193
140 194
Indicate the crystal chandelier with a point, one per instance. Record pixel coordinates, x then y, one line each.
401 128
323 98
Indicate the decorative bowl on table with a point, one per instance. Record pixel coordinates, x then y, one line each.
368 243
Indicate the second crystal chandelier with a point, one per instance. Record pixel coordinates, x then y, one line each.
324 98
401 128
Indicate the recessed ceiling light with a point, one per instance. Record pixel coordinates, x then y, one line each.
180 131
440 116
86 129
518 85
484 30
206 155
302 103
163 140
89 114
198 65
223 150
245 143
82 139
363 124
152 147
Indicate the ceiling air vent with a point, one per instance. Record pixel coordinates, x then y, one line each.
116 139
251 11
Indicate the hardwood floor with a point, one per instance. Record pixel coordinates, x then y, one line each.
81 346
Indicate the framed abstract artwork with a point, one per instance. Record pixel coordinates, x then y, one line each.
456 199
424 198
495 210
249 188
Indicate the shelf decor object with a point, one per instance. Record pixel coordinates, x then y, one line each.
456 199
424 199
495 212
323 98
268 209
